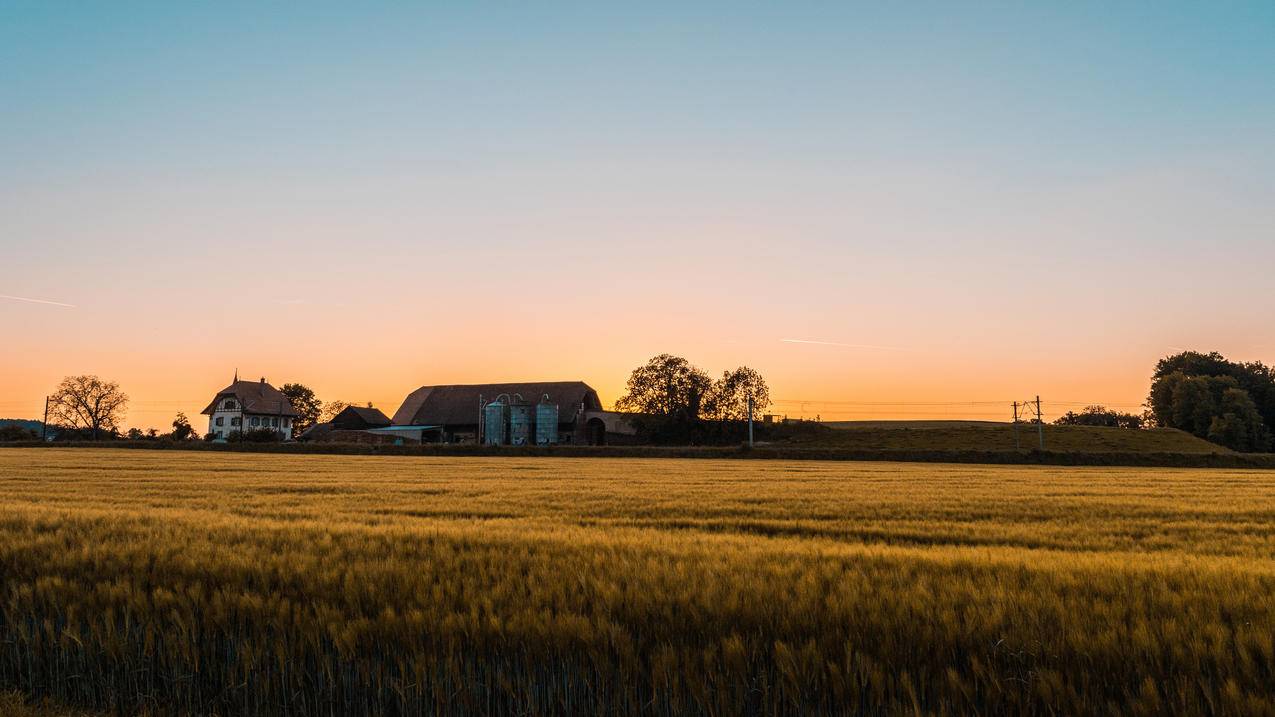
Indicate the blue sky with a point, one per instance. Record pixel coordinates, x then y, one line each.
962 179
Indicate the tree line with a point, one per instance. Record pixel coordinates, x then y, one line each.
675 402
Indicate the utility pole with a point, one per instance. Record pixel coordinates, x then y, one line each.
44 427
1017 443
750 421
1040 423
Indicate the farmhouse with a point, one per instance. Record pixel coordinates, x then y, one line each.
513 413
248 405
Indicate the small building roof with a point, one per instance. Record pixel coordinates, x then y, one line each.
459 405
256 397
366 414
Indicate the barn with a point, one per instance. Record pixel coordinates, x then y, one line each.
454 413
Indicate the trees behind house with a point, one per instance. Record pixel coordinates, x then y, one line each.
182 430
671 398
88 405
1229 403
307 405
1100 416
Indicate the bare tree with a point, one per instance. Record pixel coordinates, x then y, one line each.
331 408
88 403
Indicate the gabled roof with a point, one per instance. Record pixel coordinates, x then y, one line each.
367 415
459 405
256 397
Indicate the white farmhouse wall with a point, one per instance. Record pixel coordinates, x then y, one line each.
227 415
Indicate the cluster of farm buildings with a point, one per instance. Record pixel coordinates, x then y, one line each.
533 413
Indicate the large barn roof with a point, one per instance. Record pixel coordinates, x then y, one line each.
256 397
459 405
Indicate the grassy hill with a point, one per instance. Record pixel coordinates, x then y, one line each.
988 436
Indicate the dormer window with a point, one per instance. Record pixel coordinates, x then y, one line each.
230 404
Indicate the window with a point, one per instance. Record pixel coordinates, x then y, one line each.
235 421
274 422
254 422
220 422
218 434
230 404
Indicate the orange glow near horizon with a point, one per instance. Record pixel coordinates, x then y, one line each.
382 357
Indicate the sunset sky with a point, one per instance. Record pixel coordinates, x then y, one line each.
948 205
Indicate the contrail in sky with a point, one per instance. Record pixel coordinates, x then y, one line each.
837 343
36 301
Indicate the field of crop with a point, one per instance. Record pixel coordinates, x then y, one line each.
264 584
987 436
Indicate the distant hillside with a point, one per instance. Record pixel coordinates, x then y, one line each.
980 436
911 424
28 424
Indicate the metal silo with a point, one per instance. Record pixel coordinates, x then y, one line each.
546 422
494 426
520 417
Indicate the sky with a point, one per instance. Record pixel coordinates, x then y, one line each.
892 210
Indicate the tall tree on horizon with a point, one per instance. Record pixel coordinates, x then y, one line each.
667 386
88 403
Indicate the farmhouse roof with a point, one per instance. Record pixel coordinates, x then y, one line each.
459 405
255 397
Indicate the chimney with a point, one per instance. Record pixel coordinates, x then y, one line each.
263 379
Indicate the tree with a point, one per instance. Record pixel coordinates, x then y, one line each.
87 403
1100 416
667 386
331 408
1238 425
666 396
1212 407
182 430
727 399
1254 377
307 405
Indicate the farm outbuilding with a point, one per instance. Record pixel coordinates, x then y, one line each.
359 418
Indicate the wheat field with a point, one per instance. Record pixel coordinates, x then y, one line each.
196 583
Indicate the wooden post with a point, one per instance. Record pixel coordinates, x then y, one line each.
750 421
1040 424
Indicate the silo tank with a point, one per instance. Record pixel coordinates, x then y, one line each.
546 423
494 423
519 423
